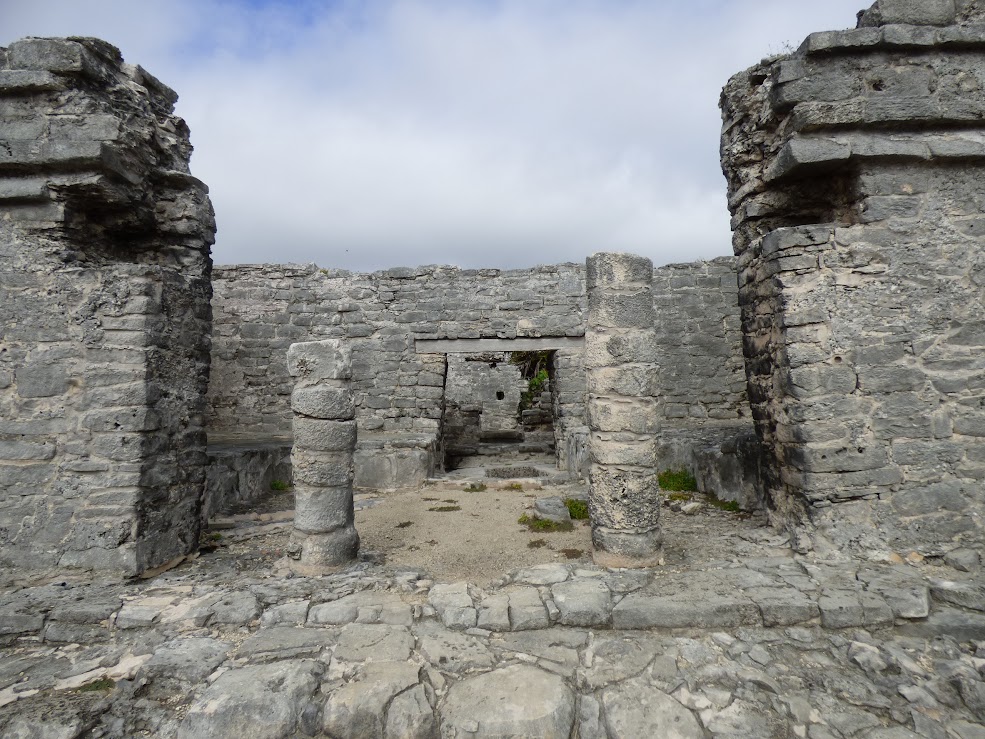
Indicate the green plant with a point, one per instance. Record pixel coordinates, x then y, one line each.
475 487
680 479
577 508
682 497
725 505
215 536
279 485
404 524
542 524
536 543
514 486
105 683
533 368
572 553
445 508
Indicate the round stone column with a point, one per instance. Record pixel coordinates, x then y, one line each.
624 499
324 537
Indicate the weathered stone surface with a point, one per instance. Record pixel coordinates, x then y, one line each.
583 602
552 509
373 643
527 610
314 361
454 605
359 708
190 660
854 364
92 330
325 538
642 611
452 651
513 701
262 702
635 709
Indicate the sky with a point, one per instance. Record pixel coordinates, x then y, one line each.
480 133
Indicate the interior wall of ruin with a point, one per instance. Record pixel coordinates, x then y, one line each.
261 309
492 385
855 170
706 424
104 314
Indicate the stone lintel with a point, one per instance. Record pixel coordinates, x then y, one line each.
470 346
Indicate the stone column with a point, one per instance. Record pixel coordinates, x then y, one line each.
624 500
325 537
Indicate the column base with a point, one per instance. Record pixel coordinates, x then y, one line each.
627 548
323 554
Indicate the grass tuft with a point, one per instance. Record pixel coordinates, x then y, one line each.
680 480
542 524
279 485
105 683
577 508
445 508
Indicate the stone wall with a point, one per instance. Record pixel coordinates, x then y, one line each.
855 170
104 314
490 383
261 309
706 425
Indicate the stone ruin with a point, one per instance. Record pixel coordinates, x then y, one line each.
853 168
828 377
836 385
105 298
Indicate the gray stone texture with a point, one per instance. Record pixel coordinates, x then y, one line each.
398 387
518 700
403 394
623 499
854 172
104 315
325 537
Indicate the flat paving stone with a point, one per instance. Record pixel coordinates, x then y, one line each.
359 708
283 642
583 602
190 659
636 709
452 651
688 610
515 701
260 702
527 610
373 643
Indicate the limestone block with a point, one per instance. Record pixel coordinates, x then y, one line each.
333 403
636 492
605 269
911 12
324 436
621 310
320 553
323 469
311 362
518 700
320 510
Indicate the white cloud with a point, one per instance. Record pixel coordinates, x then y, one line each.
486 133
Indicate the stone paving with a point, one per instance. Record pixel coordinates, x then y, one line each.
761 643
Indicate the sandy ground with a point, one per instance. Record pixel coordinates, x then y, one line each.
479 542
454 534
